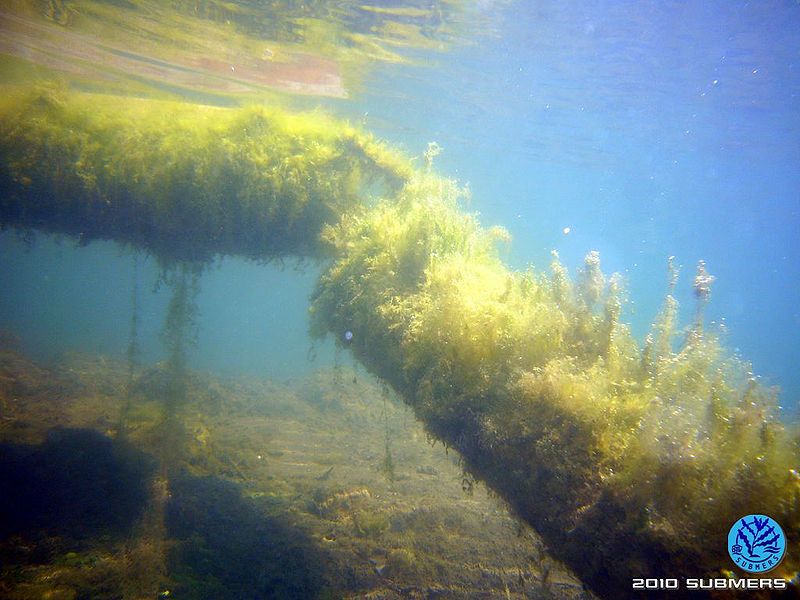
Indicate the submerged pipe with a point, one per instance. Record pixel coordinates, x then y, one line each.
184 181
630 462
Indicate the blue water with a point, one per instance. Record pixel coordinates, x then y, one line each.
251 319
650 129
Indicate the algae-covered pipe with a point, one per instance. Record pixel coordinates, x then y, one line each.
184 181
632 462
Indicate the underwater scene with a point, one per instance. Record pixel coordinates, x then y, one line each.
399 299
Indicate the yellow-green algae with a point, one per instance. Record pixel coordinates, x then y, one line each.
631 461
182 180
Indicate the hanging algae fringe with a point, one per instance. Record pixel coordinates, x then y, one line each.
187 182
631 462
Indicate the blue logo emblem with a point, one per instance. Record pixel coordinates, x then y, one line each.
756 543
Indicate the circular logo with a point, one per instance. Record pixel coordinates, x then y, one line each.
756 543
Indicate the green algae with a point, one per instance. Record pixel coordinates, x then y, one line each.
179 331
622 456
186 182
